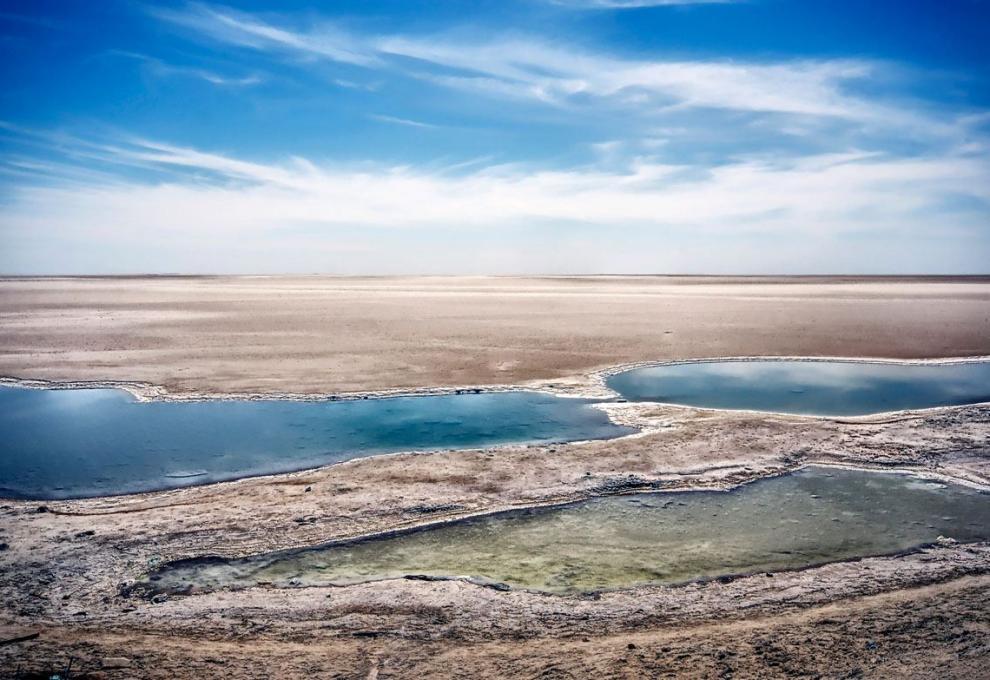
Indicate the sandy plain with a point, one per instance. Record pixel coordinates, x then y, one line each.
67 569
325 335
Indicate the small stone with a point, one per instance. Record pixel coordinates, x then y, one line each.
159 598
308 489
117 662
630 646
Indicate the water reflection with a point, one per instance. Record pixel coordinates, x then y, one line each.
808 387
71 443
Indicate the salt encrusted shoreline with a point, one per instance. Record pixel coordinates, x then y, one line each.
591 385
483 582
627 414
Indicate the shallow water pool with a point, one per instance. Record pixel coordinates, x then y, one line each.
813 516
76 443
834 388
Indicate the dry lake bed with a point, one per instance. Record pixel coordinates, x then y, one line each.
200 479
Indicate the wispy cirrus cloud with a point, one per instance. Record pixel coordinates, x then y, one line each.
238 28
395 120
164 68
553 74
532 68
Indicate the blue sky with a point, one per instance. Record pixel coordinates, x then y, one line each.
509 137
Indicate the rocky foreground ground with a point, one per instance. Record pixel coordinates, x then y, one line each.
68 568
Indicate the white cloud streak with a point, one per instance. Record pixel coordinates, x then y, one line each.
557 75
533 69
242 29
165 69
408 122
227 214
833 193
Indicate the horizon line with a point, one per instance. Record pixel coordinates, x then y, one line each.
175 275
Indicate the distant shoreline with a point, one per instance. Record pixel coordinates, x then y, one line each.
748 278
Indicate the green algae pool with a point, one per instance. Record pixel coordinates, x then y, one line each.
814 516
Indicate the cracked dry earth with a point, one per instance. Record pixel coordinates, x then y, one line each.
67 567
